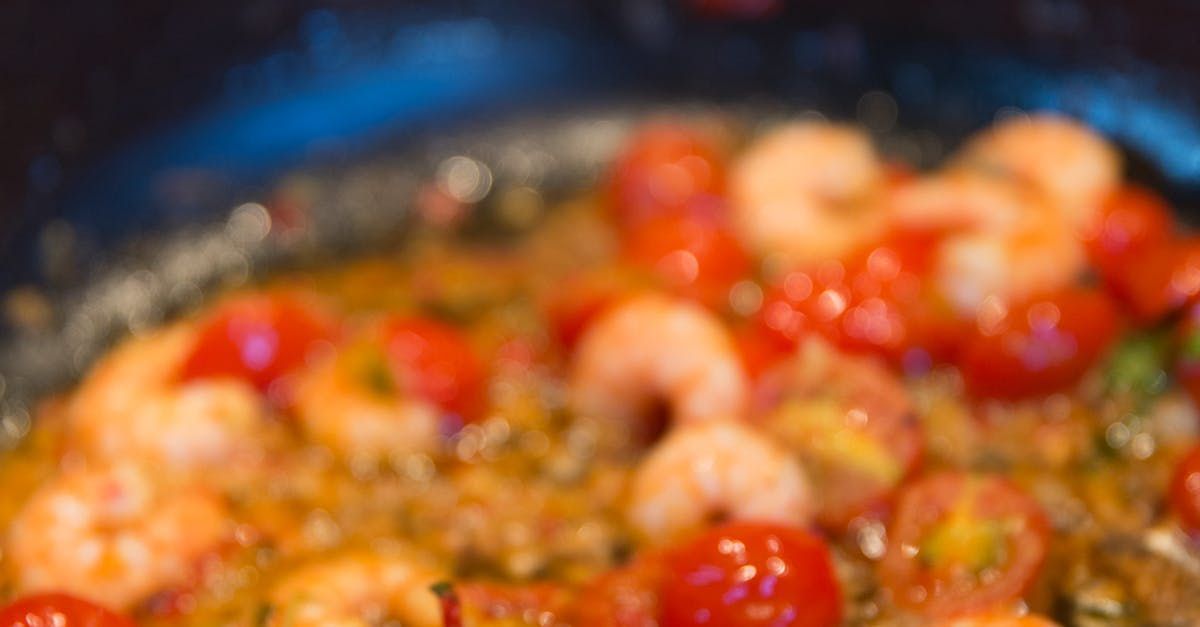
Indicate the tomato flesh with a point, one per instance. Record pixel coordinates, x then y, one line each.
694 255
746 574
664 168
624 597
258 339
961 543
433 361
1039 346
60 610
880 301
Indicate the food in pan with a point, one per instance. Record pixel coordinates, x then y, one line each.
753 378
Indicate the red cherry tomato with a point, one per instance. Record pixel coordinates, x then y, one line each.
1187 360
258 338
853 424
880 301
1040 346
694 255
1184 492
1131 221
961 543
746 574
624 597
1160 279
433 361
759 349
664 168
43 610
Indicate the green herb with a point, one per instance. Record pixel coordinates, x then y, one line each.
1138 365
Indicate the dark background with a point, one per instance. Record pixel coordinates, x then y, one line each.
103 101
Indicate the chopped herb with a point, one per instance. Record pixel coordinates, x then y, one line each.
1138 365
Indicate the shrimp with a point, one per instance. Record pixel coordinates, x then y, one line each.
114 534
1071 164
356 590
1002 239
700 472
132 407
652 348
348 403
806 193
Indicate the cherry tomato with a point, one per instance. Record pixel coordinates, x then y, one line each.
1187 359
664 168
759 350
853 424
1185 491
259 339
745 574
1132 221
573 306
624 597
960 543
694 255
58 609
433 361
1159 280
880 301
1040 346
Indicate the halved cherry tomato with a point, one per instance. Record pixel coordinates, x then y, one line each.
258 339
1184 492
43 610
694 255
852 422
1040 346
432 360
1160 280
962 543
880 301
664 168
746 574
624 597
1187 358
1131 221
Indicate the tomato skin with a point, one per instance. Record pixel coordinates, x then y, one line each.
694 255
258 338
880 301
790 579
432 360
1040 346
1131 221
946 589
624 597
1184 491
39 610
664 168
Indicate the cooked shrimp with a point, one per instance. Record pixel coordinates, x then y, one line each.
653 348
719 469
1072 164
349 403
805 192
356 590
1002 240
115 534
131 407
